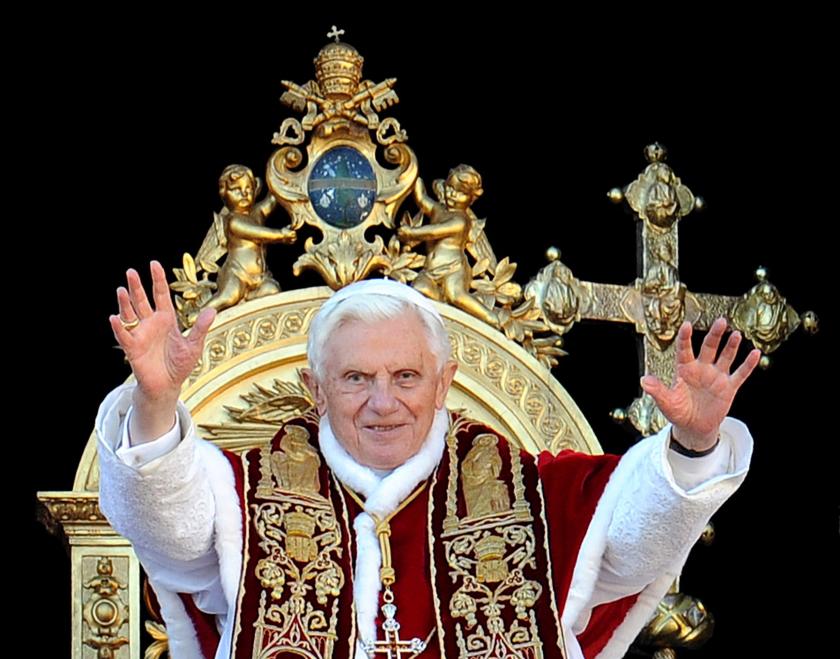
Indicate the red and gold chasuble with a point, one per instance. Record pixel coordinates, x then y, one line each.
483 554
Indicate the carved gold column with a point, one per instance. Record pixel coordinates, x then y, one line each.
105 577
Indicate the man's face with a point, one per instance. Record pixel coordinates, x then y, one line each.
381 389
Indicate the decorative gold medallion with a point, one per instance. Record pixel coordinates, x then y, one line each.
106 611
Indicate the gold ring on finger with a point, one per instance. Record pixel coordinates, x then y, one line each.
129 325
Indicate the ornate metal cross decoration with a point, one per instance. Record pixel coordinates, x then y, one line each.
657 302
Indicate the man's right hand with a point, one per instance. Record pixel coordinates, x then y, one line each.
160 356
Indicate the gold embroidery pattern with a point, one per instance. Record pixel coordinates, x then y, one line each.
300 537
484 493
490 567
295 467
488 552
431 548
561 639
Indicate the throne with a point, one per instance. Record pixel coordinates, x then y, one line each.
346 177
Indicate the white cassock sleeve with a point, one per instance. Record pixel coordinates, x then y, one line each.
653 510
160 497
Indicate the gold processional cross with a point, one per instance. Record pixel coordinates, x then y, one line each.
657 302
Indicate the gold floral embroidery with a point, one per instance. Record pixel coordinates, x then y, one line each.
488 553
300 538
481 604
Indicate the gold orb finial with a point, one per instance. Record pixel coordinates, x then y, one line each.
616 195
619 415
552 254
810 322
761 273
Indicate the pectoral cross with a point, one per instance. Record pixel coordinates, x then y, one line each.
393 647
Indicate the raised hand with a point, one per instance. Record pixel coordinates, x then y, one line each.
160 356
703 387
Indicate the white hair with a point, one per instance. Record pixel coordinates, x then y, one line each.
372 307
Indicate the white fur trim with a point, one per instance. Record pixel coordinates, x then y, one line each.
228 522
588 564
694 508
366 584
183 642
637 616
382 497
229 533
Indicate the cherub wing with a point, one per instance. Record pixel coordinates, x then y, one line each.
477 244
437 188
214 245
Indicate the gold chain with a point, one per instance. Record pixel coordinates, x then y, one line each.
388 576
383 531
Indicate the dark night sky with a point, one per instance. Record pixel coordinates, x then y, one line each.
128 135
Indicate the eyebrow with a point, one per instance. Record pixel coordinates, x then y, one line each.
360 371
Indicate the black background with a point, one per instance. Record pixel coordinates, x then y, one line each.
128 126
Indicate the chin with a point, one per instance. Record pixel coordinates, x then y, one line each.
388 461
384 465
385 459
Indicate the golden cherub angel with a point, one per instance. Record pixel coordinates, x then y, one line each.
239 232
453 231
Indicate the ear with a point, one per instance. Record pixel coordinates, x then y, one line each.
315 389
446 376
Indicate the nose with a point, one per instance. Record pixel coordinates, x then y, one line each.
382 399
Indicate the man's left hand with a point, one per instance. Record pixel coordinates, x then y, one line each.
703 388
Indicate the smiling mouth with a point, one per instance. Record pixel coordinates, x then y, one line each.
384 428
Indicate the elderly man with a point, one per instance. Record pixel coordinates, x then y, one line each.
387 527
